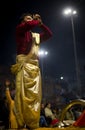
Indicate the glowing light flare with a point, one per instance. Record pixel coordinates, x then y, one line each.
61 77
69 11
42 53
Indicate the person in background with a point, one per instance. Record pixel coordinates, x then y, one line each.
10 103
55 112
42 122
69 115
4 113
28 77
51 118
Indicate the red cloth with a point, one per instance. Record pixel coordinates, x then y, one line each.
24 37
80 121
54 122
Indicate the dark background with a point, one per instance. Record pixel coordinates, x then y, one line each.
60 60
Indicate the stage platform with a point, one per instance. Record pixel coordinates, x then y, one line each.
66 128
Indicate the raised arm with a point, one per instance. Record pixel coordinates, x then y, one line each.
27 26
46 32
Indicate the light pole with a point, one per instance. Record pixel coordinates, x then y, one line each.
42 54
71 12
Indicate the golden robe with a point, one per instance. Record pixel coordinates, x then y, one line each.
28 86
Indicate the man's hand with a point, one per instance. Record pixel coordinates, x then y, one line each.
37 17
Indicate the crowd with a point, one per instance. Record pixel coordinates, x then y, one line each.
49 114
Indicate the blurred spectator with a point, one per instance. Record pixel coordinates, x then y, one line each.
43 122
56 112
69 115
10 102
51 119
4 113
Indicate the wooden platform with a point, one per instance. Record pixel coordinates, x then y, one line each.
66 128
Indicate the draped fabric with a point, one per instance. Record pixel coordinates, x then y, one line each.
28 87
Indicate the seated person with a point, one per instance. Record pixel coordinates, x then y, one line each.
69 115
43 122
51 119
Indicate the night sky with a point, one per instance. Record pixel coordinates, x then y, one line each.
60 59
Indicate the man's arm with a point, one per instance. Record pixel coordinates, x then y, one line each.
46 34
27 26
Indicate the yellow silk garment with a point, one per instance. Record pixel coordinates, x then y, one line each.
28 86
12 118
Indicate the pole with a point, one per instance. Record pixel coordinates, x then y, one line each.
42 72
76 58
42 66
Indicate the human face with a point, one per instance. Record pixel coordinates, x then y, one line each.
49 105
28 18
42 105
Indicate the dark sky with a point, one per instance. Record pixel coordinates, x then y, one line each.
60 60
